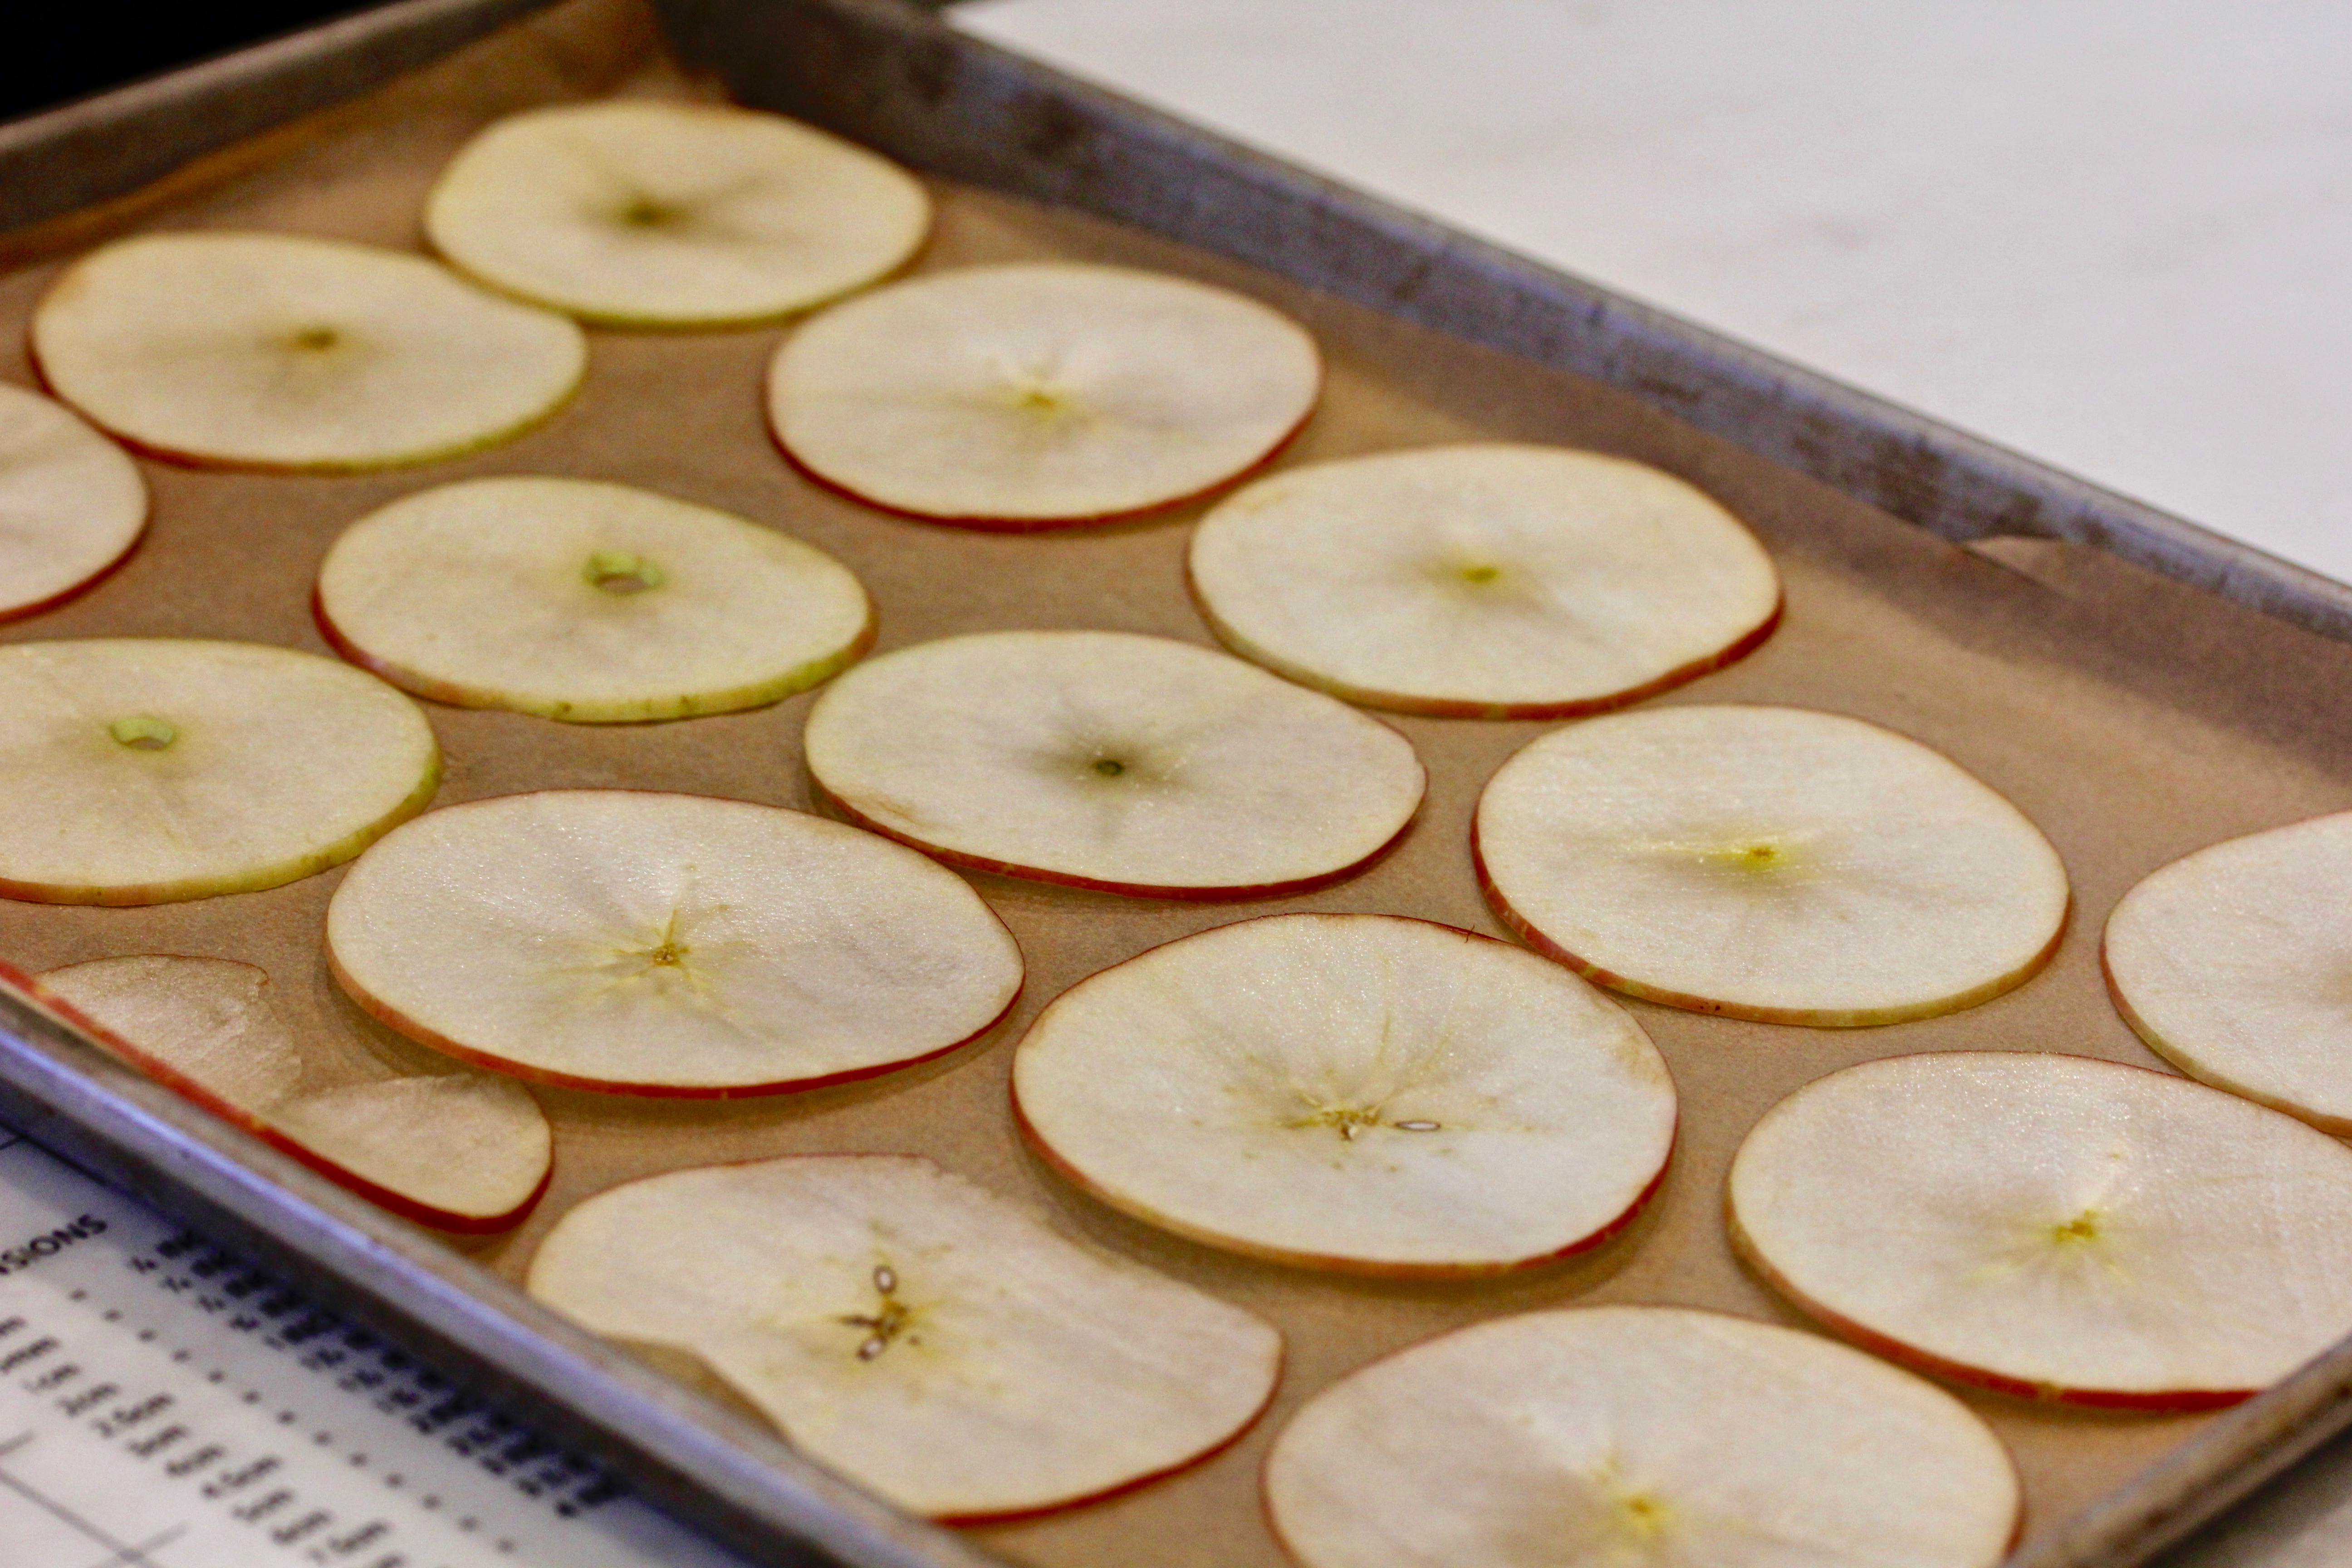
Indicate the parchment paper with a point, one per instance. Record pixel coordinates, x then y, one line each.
2133 718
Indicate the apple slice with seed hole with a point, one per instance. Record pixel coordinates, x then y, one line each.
71 505
1130 765
1771 863
1500 581
2232 965
1604 1436
145 770
641 214
904 1327
1357 1092
2053 1226
666 944
592 603
278 352
1041 394
462 1150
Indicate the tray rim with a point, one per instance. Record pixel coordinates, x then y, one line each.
890 73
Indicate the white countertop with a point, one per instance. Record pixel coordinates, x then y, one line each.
2115 236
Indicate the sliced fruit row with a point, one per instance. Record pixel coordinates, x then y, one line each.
1354 1092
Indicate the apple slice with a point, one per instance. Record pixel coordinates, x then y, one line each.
1490 582
1357 1092
2053 1226
904 1327
1769 863
2230 963
592 603
462 1150
278 352
1132 764
71 505
1606 1437
642 214
1040 395
666 944
145 770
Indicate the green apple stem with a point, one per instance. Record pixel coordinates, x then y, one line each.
619 572
143 732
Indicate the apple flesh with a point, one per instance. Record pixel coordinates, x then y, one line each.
586 602
1132 764
1488 581
1604 1437
461 1151
2053 1226
2230 964
907 1329
1778 864
666 944
1040 395
71 505
641 214
275 352
145 770
1354 1092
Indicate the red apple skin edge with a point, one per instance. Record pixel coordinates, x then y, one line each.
1256 464
207 465
196 1094
594 322
1266 1503
1610 1232
1808 1017
1192 1461
41 606
2334 1126
1878 1344
456 696
1444 708
1043 1510
139 895
857 818
400 1023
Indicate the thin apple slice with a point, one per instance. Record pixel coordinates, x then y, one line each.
1040 395
1132 764
586 602
910 1331
71 505
2231 964
666 944
462 1150
1356 1092
2053 1226
278 352
1490 581
644 214
145 770
1771 863
1606 1437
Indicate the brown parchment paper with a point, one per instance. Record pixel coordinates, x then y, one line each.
2133 718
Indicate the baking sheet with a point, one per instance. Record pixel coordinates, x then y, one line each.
2132 717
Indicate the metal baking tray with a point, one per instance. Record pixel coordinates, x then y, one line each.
892 74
